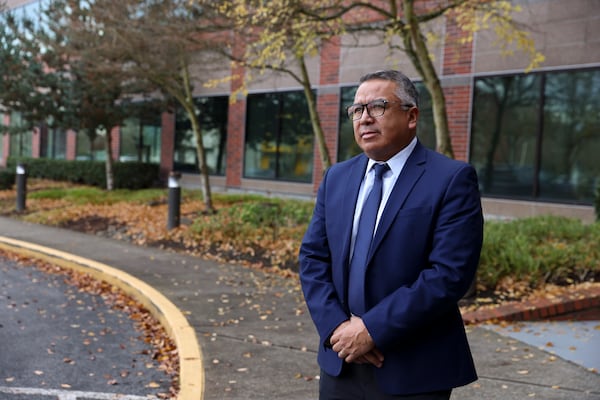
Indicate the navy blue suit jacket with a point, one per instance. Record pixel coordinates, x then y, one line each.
423 258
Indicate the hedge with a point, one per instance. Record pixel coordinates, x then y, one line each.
127 175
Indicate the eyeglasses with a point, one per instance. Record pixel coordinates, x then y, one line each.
375 108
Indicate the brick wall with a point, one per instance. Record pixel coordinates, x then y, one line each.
36 141
71 151
167 145
457 62
328 103
236 125
115 143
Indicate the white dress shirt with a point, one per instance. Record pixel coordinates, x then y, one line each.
396 163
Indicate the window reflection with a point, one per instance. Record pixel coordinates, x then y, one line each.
20 138
571 144
536 136
212 115
279 137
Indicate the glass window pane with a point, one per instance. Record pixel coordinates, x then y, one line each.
213 123
296 139
347 147
90 147
140 134
503 140
56 144
130 134
279 137
425 125
20 136
185 157
571 142
262 128
212 116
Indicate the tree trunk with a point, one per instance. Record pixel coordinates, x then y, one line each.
190 108
201 153
109 161
314 115
430 79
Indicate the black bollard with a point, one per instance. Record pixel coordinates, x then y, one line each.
174 200
21 187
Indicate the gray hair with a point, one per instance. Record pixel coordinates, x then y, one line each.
405 88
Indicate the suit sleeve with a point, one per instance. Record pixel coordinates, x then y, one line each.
316 274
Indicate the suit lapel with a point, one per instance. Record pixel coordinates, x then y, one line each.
411 173
352 185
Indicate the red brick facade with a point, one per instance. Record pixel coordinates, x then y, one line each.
236 126
458 61
328 104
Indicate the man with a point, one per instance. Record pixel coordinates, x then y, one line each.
386 311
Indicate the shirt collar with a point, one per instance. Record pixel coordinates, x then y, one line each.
396 163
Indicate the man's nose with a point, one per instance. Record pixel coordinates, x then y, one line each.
365 116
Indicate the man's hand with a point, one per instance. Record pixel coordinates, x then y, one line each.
352 342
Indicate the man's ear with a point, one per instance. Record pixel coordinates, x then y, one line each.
413 116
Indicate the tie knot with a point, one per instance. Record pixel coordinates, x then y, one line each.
380 169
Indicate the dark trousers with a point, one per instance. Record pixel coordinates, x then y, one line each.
357 382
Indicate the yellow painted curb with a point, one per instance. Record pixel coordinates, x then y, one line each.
191 369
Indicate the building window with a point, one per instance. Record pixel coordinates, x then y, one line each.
212 117
91 144
347 147
20 136
279 137
140 135
537 136
55 143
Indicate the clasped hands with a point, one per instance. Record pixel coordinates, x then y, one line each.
352 342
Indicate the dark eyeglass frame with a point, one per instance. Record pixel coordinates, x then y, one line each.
375 109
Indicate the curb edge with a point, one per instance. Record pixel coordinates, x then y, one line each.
191 368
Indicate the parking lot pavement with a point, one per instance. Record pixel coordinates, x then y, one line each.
57 342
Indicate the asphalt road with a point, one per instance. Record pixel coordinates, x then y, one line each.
59 343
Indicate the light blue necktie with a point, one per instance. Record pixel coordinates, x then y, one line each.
362 243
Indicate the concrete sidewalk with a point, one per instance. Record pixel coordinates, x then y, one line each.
257 339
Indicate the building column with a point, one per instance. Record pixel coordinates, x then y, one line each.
5 137
167 145
236 124
71 150
328 105
115 143
457 83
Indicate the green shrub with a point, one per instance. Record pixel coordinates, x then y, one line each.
541 249
7 179
128 175
248 218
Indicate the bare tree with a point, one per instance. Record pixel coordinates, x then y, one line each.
152 47
402 25
277 36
